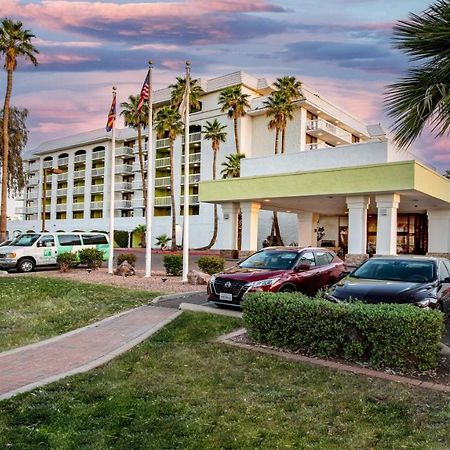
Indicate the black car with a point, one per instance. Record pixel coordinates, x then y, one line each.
419 280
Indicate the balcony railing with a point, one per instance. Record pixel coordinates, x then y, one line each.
194 158
162 182
96 205
79 174
98 172
33 167
124 151
193 200
79 190
123 204
33 181
61 192
47 164
31 209
123 187
317 146
63 162
193 137
162 143
32 195
79 158
96 188
61 207
78 206
162 162
98 155
329 131
62 176
162 201
124 169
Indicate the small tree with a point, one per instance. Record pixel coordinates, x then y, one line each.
162 240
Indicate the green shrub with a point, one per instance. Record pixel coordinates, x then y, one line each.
173 264
211 264
130 257
400 337
92 257
66 261
121 238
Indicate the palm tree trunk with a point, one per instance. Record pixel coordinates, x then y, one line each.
277 133
142 165
239 231
5 155
283 139
276 229
236 137
172 199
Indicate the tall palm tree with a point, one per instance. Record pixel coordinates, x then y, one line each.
231 168
214 132
168 125
137 120
234 102
177 93
421 98
275 105
15 42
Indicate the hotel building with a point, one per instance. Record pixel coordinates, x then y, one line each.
338 175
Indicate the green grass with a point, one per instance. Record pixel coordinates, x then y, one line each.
180 390
35 308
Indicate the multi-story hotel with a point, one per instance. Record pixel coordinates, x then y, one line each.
338 175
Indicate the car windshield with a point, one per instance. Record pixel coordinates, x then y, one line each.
25 240
275 260
397 270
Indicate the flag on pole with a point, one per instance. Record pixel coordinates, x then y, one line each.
145 92
111 115
184 105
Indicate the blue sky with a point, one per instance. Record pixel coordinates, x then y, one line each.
342 48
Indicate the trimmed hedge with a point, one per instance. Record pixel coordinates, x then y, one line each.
401 337
92 257
129 257
66 261
173 264
211 264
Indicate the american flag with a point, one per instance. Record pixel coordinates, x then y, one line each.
111 115
145 91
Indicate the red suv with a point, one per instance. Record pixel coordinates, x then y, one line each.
277 269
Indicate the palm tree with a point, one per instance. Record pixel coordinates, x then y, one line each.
162 240
214 132
421 98
234 102
168 124
231 168
15 42
177 93
137 120
275 105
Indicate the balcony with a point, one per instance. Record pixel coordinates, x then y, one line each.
124 169
162 163
78 174
47 164
63 162
317 146
98 155
162 143
32 195
79 159
122 204
193 200
194 158
62 176
78 207
162 201
61 192
124 152
97 172
162 182
31 209
79 190
328 132
33 167
97 188
96 206
124 187
62 207
193 137
33 181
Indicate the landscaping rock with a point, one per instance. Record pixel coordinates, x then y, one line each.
196 277
125 270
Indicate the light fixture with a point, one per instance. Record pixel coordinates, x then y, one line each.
267 200
288 210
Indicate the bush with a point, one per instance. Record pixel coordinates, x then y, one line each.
121 238
211 264
400 337
66 261
130 257
92 257
173 264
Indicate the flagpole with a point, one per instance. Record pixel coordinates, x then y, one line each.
111 193
186 177
150 179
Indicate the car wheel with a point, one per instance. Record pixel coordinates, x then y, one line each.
26 265
287 288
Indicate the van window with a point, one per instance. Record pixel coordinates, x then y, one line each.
94 239
25 240
69 239
46 241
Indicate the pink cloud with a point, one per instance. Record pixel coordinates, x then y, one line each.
64 59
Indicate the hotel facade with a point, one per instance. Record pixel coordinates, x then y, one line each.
341 183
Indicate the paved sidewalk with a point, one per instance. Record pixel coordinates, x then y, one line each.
37 364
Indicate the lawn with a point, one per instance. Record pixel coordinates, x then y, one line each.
181 390
35 308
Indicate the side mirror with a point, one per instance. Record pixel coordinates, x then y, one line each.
302 268
343 275
446 280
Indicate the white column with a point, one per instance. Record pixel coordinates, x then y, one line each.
387 206
357 224
228 229
88 186
307 223
303 120
53 196
439 231
70 181
250 215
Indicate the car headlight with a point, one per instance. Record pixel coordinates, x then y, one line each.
10 255
426 302
212 279
260 283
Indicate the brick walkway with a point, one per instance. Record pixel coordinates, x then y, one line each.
28 367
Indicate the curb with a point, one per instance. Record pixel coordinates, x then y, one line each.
368 373
93 363
210 310
162 298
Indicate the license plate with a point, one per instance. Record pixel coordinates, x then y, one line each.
225 296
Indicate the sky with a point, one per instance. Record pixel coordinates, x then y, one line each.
341 48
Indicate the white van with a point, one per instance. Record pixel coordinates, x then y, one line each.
30 250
